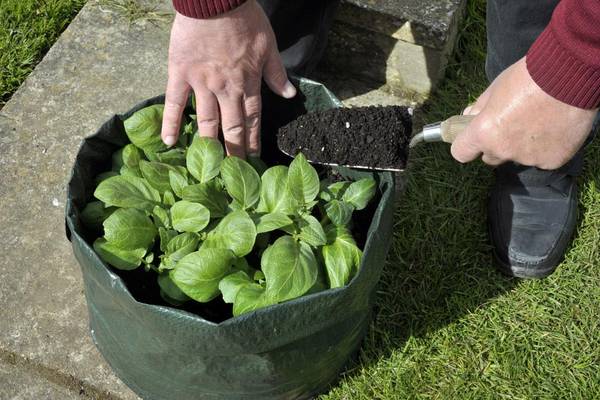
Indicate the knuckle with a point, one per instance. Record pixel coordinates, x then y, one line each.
234 131
208 122
252 121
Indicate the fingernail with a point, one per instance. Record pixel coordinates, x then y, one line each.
467 110
289 90
170 140
254 155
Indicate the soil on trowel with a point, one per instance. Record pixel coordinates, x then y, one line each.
373 136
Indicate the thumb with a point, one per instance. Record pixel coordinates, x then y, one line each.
466 147
276 77
480 103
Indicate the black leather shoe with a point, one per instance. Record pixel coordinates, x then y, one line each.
532 215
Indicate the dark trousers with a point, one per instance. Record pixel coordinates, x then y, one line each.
301 28
512 27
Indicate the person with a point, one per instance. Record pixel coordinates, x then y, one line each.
543 62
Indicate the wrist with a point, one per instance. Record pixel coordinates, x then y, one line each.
205 9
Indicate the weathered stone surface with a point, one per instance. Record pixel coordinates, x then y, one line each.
99 66
19 384
427 23
402 44
408 70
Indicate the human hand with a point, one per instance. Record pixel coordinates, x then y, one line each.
223 60
517 121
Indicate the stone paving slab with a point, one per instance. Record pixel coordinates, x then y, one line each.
19 384
402 44
427 23
101 65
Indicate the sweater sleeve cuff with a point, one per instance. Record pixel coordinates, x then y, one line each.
203 9
561 75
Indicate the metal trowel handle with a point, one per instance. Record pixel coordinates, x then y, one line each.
445 131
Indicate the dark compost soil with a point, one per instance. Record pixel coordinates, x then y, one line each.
373 136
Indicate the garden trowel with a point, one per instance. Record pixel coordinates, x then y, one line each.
390 157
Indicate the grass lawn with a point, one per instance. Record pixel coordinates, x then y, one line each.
27 30
447 325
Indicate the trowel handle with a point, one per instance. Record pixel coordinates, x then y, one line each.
453 126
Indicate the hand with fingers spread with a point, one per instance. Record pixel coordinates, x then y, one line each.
223 60
517 121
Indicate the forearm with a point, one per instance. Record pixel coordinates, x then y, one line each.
203 9
565 60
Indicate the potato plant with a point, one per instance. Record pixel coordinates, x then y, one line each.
195 218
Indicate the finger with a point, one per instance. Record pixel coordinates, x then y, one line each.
252 112
465 148
207 111
480 103
234 126
275 76
492 160
175 102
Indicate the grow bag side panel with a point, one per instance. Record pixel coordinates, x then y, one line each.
287 351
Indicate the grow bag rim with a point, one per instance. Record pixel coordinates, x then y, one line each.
386 191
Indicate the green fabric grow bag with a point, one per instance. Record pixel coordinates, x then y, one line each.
291 350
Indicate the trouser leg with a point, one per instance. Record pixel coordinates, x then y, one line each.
512 27
301 28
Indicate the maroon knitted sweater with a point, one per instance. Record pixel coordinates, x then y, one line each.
564 61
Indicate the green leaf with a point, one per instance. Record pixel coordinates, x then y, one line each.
210 195
143 128
94 214
149 258
342 257
359 193
180 246
259 165
178 182
130 171
128 192
303 180
117 257
189 217
198 274
272 221
311 231
290 269
157 174
274 195
241 181
174 157
334 191
166 235
235 232
117 160
104 176
168 198
171 290
161 217
339 212
128 228
132 156
241 264
249 298
204 158
231 285
259 275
